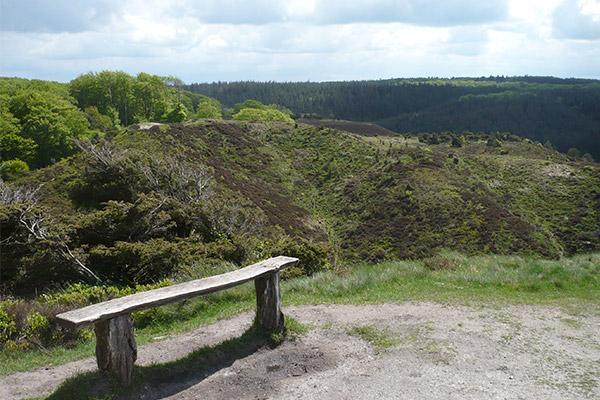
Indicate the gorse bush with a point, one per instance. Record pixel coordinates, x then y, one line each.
30 324
80 294
38 326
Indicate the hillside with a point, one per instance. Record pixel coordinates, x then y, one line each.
563 112
156 198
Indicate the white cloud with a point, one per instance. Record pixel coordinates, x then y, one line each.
51 16
590 8
577 20
299 39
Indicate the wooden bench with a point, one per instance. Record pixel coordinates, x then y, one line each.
116 350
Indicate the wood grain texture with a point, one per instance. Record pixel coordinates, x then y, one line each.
268 302
116 350
170 294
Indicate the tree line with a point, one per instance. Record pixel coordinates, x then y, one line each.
562 111
40 119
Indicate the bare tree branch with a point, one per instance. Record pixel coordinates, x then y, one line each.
33 222
185 182
67 253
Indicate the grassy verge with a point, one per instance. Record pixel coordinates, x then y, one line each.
453 277
447 277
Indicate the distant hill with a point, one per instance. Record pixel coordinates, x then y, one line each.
563 112
362 128
154 198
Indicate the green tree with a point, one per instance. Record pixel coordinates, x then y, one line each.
208 109
178 114
89 91
254 114
12 145
150 94
588 157
16 147
98 121
249 104
573 153
106 90
49 120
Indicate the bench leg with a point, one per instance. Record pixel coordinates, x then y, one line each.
116 350
268 302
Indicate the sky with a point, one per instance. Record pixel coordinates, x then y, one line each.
300 40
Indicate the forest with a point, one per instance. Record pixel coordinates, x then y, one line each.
561 112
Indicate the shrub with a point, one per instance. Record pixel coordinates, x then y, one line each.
494 142
313 257
588 157
573 154
178 114
38 328
255 114
115 174
135 262
429 138
25 323
8 327
457 141
13 167
441 262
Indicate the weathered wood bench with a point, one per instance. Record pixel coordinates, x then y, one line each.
116 350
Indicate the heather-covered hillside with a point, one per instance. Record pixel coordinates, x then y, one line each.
154 198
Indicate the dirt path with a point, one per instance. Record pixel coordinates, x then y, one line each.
438 352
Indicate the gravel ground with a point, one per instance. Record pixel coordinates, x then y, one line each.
435 351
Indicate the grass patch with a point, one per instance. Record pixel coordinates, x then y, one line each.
17 361
471 280
379 339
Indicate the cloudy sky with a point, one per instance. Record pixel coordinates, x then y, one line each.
300 40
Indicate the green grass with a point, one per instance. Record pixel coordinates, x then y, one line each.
572 283
379 339
467 280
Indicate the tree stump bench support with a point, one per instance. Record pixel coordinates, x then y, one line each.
116 350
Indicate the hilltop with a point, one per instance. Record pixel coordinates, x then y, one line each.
396 197
139 206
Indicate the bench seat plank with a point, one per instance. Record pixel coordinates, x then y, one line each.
170 294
